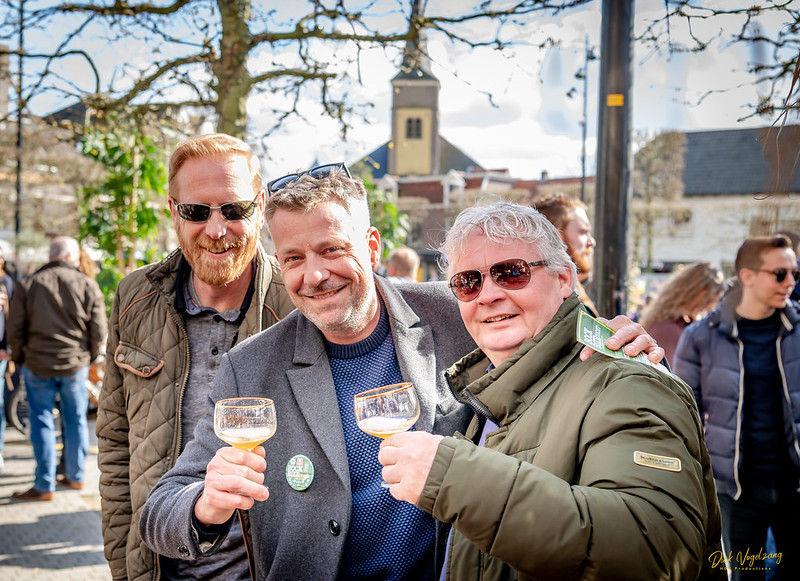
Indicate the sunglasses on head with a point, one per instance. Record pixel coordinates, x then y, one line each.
232 211
510 274
320 171
780 274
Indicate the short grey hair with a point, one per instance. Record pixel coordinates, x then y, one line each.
504 222
66 249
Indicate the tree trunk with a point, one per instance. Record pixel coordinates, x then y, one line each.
233 83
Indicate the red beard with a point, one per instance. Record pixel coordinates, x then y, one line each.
583 261
219 273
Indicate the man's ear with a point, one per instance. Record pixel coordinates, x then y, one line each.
746 276
262 205
173 212
375 245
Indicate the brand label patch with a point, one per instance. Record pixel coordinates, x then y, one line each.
656 461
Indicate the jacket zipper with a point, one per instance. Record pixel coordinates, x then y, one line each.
739 420
787 397
182 387
468 398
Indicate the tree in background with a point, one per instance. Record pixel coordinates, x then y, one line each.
774 56
123 211
657 181
215 54
212 55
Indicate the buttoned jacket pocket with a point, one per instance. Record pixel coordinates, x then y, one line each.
137 361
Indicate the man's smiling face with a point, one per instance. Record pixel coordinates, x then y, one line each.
327 258
219 251
499 319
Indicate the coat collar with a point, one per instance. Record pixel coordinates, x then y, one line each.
164 278
509 389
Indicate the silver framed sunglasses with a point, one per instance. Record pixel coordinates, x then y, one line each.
232 211
512 274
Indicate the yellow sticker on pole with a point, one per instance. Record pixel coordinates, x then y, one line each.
615 100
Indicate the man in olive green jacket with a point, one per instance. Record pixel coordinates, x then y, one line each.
591 469
170 325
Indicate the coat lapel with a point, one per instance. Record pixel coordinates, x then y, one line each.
413 345
311 383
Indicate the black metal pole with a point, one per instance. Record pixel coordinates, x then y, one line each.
18 201
613 158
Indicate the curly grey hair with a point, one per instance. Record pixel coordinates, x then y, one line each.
504 222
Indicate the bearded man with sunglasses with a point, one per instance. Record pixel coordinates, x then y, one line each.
313 490
171 323
743 363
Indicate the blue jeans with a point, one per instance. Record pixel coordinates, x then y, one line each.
3 365
41 392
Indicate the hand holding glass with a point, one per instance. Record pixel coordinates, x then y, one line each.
387 410
245 422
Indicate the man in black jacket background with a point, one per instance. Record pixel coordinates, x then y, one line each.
56 329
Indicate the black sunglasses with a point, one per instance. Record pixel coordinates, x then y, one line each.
232 211
510 274
320 171
780 274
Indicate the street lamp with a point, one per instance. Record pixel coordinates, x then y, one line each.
583 75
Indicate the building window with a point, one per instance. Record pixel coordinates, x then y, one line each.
414 128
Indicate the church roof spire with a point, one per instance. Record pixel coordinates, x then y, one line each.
416 64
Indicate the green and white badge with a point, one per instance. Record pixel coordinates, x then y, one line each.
299 472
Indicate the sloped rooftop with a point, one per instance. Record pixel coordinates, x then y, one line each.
742 161
452 158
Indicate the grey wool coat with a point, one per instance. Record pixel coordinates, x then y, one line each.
301 534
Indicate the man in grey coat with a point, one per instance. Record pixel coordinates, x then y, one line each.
312 493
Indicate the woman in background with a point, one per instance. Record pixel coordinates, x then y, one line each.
686 296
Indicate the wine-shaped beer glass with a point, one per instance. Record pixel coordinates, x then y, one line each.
245 422
386 410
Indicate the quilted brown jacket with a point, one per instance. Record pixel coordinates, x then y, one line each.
138 422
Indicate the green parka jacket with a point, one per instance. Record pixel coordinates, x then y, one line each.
138 422
602 473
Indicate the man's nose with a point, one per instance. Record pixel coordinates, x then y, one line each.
490 290
316 271
216 226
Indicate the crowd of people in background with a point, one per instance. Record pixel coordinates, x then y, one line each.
531 457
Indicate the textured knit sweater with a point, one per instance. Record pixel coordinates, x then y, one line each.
378 521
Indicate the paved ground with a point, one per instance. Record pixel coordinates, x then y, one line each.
58 539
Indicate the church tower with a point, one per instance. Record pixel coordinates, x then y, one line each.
415 148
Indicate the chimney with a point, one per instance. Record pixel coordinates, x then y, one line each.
5 81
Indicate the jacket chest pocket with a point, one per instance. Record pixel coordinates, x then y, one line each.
135 360
526 455
143 382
